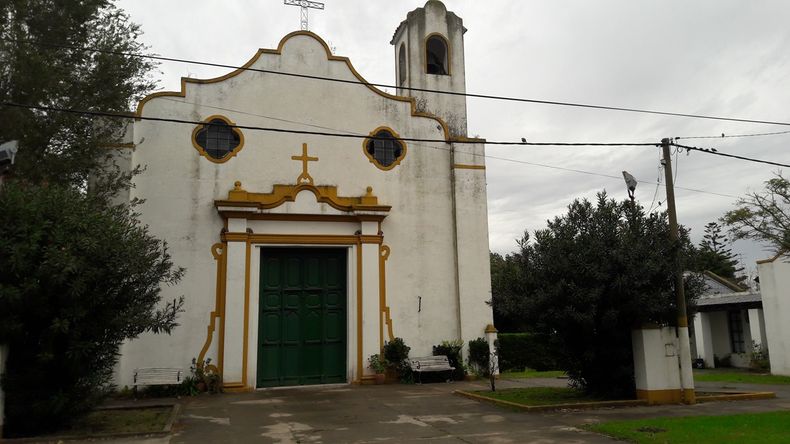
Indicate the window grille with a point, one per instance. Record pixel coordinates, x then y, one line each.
217 139
736 332
385 150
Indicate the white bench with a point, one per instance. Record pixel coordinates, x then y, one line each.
430 364
157 376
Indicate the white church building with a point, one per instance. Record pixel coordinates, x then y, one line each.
303 252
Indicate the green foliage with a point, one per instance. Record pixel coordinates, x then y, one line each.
377 363
479 356
518 351
396 353
739 376
592 276
714 255
80 275
137 421
506 273
765 216
78 279
452 349
64 148
531 374
765 428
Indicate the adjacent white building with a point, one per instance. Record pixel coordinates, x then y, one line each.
304 253
729 324
775 288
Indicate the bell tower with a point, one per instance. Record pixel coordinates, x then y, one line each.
429 54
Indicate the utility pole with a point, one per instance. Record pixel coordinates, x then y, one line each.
686 375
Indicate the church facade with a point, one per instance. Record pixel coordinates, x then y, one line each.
305 252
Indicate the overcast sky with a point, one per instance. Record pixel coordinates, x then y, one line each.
719 57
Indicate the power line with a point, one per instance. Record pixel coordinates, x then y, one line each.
383 85
354 135
314 133
717 153
657 183
727 136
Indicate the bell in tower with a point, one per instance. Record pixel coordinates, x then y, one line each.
429 55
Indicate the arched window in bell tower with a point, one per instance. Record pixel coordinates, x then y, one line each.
436 55
402 64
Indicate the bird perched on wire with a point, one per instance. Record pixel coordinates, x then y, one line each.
630 182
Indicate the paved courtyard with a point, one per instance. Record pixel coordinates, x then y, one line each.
425 413
367 414
411 413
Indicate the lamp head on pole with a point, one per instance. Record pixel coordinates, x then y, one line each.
630 182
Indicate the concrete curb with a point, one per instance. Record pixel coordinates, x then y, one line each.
550 407
176 410
736 396
724 396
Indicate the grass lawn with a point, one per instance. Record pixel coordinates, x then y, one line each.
742 376
539 395
137 420
771 427
529 373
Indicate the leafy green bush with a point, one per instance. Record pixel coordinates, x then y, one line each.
518 351
77 280
584 282
396 352
479 356
377 363
452 349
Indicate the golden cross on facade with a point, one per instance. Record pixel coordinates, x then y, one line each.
305 176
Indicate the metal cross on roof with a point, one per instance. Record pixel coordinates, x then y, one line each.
305 5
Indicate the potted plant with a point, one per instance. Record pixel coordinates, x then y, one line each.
396 356
205 376
378 364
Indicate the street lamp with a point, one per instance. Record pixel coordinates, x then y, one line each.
630 182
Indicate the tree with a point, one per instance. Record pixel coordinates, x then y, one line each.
505 272
591 277
78 279
714 255
57 147
80 274
764 216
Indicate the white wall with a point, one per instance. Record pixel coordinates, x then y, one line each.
775 291
656 364
703 337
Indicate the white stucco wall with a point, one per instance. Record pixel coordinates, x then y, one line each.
656 359
703 338
757 326
775 290
180 187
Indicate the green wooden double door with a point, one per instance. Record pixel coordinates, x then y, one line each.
302 317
